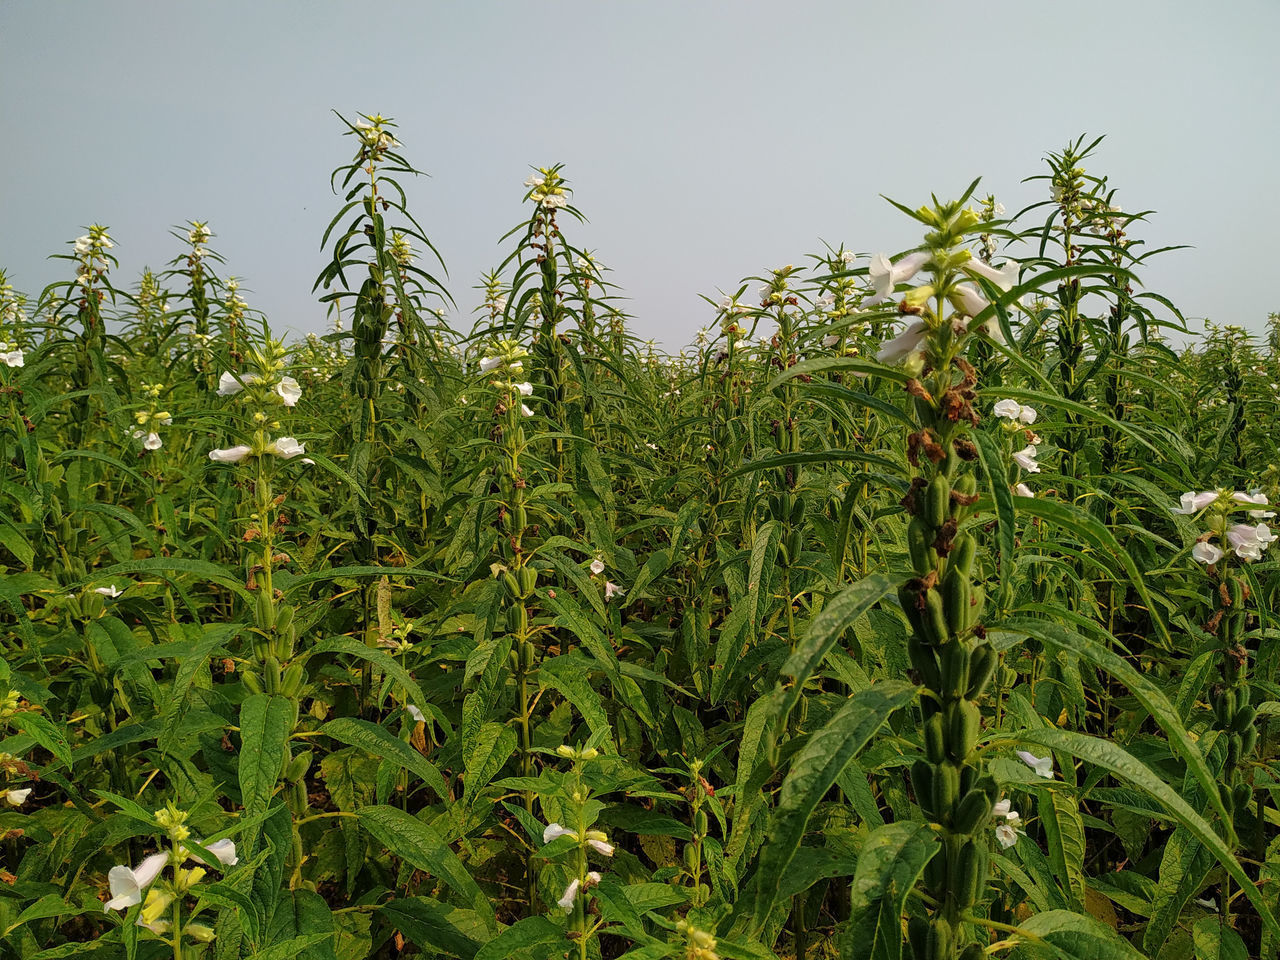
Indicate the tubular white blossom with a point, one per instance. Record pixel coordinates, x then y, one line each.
1192 502
570 894
1026 459
286 448
289 390
1004 277
968 300
884 276
1206 552
554 830
230 455
13 358
1023 490
597 567
229 386
417 715
128 884
110 591
224 850
524 389
611 590
489 363
904 344
16 798
1009 409
1007 835
1041 765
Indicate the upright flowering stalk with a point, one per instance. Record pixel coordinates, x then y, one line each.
948 646
194 266
92 286
1229 542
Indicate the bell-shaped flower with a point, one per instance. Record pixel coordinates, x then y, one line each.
229 385
611 590
884 275
1008 409
286 448
1004 277
1192 502
966 298
230 455
489 363
554 830
597 567
525 411
110 591
150 441
1022 490
1026 459
598 840
570 894
289 390
1206 552
1256 499
1249 541
417 715
157 903
524 389
1007 834
830 340
1043 766
12 358
904 344
224 850
128 884
16 798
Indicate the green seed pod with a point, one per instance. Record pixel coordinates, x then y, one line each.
963 552
291 682
691 859
965 721
922 776
964 875
251 681
934 742
1234 745
920 545
1248 740
266 611
940 940
1236 590
1228 797
937 501
953 659
973 951
528 581
795 543
797 513
271 674
284 617
934 621
1222 709
1244 719
935 871
966 484
907 600
956 592
298 767
1242 794
925 661
977 603
517 619
527 654
519 518
918 938
946 788
982 665
973 812
512 584
700 822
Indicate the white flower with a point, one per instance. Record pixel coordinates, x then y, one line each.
1249 541
110 591
830 340
1009 409
224 850
286 448
1007 835
824 301
1027 414
230 455
552 200
127 885
1023 490
554 830
415 713
610 590
83 245
904 344
593 878
1257 499
229 386
289 390
489 363
1026 459
966 298
1041 765
1003 277
1001 808
884 276
1195 502
524 389
847 257
13 358
597 567
525 411
598 840
570 894
17 798
533 180
1206 552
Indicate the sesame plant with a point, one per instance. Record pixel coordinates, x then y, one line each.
919 609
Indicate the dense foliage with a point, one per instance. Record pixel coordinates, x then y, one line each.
921 608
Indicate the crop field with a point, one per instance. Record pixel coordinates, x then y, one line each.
922 608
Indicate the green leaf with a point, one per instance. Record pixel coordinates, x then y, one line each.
484 756
1123 764
291 948
813 773
381 743
1073 936
430 924
1214 940
997 470
43 731
1149 695
265 725
379 658
845 608
415 842
889 863
529 932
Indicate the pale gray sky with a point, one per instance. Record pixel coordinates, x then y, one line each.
705 141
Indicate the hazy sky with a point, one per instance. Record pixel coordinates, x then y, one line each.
706 142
